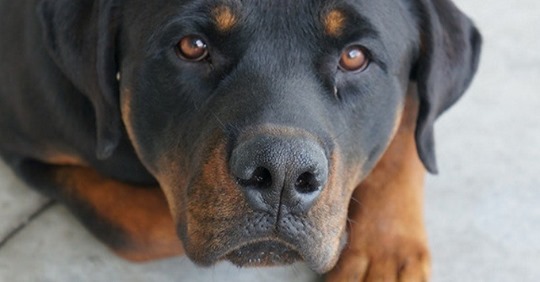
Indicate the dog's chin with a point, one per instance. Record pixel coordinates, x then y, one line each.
263 253
269 252
276 252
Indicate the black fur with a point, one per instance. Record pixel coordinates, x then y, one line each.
449 59
276 66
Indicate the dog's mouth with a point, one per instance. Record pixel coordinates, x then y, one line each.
264 253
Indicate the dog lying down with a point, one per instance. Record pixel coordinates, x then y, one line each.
259 132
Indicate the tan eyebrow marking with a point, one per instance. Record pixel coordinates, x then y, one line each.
224 18
334 22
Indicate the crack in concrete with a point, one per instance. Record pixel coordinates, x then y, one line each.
39 211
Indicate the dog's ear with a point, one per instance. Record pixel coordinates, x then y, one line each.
81 37
448 58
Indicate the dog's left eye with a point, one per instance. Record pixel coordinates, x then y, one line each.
192 48
354 58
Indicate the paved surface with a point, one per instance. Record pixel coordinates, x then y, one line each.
482 211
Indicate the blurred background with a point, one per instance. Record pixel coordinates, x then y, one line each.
482 210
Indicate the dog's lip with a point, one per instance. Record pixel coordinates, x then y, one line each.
267 252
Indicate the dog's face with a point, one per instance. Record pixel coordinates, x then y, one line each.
259 118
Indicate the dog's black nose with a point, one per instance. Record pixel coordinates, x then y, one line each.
273 171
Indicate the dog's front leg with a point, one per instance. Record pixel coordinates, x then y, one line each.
387 239
135 222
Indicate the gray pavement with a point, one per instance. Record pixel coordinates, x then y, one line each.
482 211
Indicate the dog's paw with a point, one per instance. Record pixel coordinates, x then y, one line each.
383 259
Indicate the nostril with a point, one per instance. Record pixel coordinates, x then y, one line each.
261 178
306 183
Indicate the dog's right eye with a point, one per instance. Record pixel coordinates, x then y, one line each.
354 59
192 48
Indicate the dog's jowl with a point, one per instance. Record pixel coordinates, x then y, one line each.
258 132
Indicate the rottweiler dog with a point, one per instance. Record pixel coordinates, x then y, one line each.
258 132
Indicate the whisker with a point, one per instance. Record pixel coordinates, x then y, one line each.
220 122
351 221
355 200
336 138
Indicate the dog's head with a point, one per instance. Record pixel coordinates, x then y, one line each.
259 118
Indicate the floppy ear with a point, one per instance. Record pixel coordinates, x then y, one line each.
449 54
80 36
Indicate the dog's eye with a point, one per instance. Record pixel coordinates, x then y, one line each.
354 58
192 48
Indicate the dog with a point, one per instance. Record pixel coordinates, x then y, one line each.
258 132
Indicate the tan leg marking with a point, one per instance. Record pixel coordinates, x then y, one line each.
139 212
387 235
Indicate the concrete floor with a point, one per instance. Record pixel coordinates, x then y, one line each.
482 211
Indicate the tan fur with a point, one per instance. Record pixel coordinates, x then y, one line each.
125 108
334 22
141 212
387 236
224 18
58 158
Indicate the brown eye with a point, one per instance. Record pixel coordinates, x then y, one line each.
354 58
192 48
